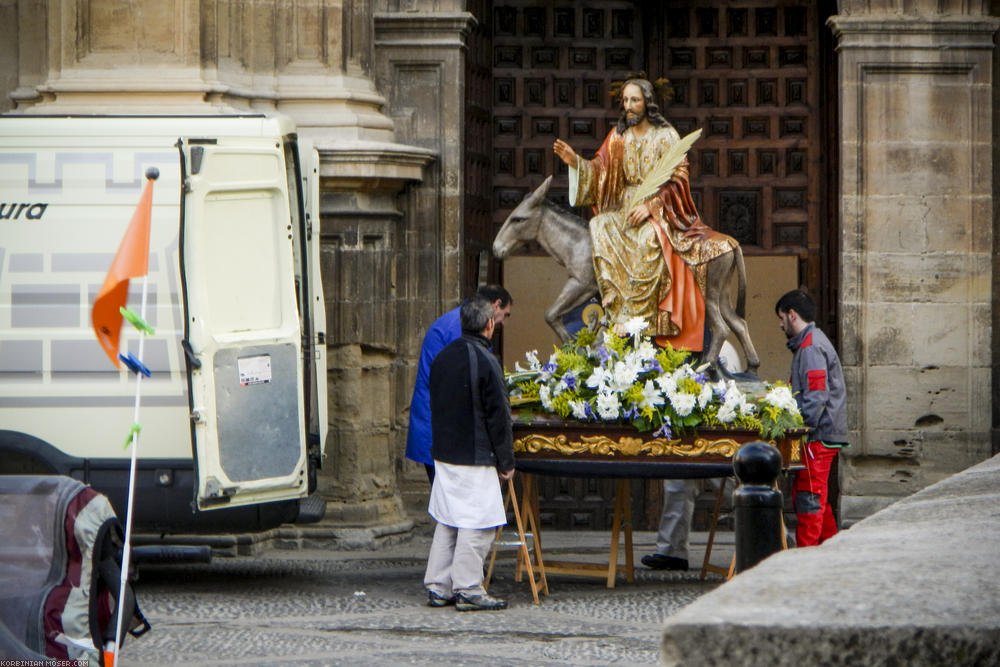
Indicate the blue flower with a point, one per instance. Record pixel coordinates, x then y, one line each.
701 378
631 413
664 431
589 410
570 380
652 365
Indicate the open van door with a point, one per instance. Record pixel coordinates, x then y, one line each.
243 336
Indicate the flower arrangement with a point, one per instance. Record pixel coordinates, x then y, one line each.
609 378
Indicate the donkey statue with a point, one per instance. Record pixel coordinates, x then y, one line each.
565 237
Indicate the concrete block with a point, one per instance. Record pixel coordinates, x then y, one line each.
913 584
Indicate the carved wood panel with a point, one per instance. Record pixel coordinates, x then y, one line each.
553 64
478 264
748 73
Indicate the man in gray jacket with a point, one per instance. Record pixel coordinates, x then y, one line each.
818 385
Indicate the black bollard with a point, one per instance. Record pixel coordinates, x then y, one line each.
757 504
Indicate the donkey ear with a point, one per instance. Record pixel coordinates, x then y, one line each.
543 189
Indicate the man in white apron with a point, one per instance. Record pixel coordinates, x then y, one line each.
473 452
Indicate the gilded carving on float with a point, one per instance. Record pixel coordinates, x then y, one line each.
796 444
625 446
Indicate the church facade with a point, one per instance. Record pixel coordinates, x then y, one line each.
851 147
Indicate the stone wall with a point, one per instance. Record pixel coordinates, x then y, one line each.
916 125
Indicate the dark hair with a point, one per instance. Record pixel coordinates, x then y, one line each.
652 108
798 301
475 314
493 292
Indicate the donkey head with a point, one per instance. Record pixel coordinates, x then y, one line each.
522 224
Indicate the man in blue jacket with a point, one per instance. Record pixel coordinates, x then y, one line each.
444 330
818 385
473 452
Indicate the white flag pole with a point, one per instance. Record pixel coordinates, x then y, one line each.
127 546
151 174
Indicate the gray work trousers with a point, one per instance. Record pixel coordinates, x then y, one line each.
678 511
455 562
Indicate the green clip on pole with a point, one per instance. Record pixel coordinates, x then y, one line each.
136 321
132 433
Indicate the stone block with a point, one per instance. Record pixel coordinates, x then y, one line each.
947 452
877 475
905 168
851 159
851 224
855 508
982 224
924 105
889 335
852 277
905 444
851 341
940 334
937 277
899 398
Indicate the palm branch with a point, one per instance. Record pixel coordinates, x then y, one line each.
663 171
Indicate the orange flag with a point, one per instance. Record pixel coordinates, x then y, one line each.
131 261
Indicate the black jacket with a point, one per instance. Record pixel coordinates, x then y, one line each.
462 434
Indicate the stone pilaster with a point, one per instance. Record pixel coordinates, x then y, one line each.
420 66
917 236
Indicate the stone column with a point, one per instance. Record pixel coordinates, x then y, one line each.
917 236
324 55
420 65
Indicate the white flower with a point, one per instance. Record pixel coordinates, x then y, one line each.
598 378
579 409
683 403
623 375
727 413
705 397
560 387
651 397
667 383
543 394
607 406
634 326
532 358
747 409
781 397
646 351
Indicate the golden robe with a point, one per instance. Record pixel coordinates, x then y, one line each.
654 270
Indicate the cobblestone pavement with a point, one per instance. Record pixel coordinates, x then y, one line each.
318 607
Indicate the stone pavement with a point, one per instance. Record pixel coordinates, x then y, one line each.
334 607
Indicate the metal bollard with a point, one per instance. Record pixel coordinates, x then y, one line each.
757 504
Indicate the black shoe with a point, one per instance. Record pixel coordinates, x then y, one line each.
435 600
661 562
479 603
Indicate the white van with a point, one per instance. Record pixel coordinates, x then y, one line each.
233 415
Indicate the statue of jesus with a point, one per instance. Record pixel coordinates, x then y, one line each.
649 259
